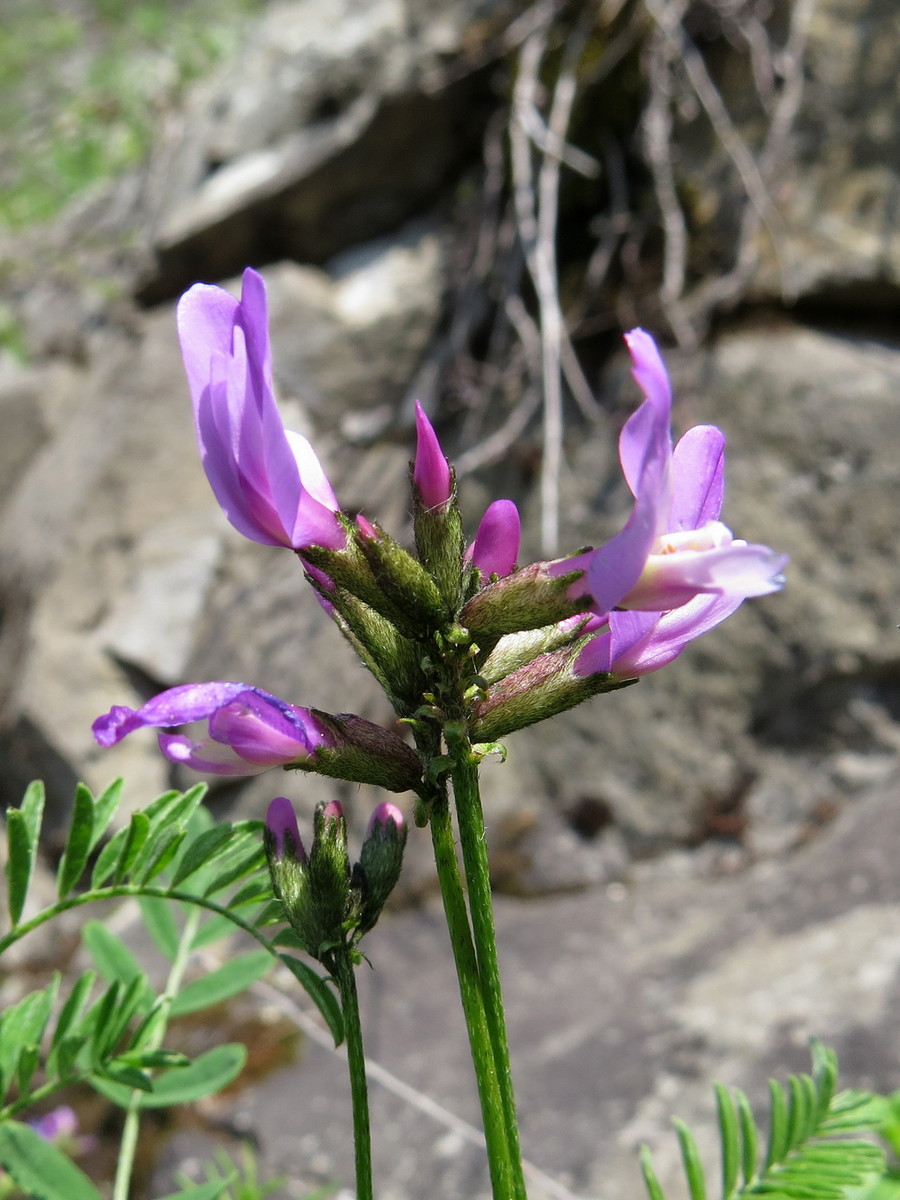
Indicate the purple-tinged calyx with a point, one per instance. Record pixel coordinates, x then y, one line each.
248 730
380 861
495 550
267 480
673 547
431 471
284 832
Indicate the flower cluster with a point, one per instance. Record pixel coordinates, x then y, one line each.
324 898
454 632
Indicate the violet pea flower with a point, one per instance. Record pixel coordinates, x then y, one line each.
267 480
673 547
495 550
636 643
431 471
249 731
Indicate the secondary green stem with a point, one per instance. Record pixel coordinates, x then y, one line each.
489 1093
475 861
131 1129
345 975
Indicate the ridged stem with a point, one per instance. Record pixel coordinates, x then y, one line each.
503 1172
473 839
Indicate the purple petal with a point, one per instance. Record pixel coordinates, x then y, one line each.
645 451
265 731
205 318
207 756
496 547
698 478
644 642
177 706
431 471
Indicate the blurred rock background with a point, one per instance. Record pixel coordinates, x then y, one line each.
429 187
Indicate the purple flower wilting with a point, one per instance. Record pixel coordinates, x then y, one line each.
249 731
496 546
673 546
282 828
268 481
431 471
636 643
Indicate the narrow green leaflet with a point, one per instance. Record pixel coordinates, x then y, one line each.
32 809
78 845
207 1074
113 958
232 977
22 1026
160 923
201 851
40 1169
19 863
321 994
23 829
105 806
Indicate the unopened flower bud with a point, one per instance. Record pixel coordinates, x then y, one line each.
496 546
380 861
325 921
289 867
284 832
431 472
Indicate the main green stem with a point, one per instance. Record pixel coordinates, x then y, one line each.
502 1169
345 975
473 838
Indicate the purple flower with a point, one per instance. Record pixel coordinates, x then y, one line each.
268 481
636 643
60 1123
431 471
496 546
249 731
281 822
673 546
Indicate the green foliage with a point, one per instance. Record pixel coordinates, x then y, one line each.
83 87
196 882
814 1151
39 1168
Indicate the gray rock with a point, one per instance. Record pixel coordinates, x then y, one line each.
301 147
832 182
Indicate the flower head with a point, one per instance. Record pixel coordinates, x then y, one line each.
268 481
673 547
431 471
249 731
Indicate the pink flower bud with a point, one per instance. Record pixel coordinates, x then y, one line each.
431 471
384 816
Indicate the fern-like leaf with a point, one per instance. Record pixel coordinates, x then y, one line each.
815 1149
